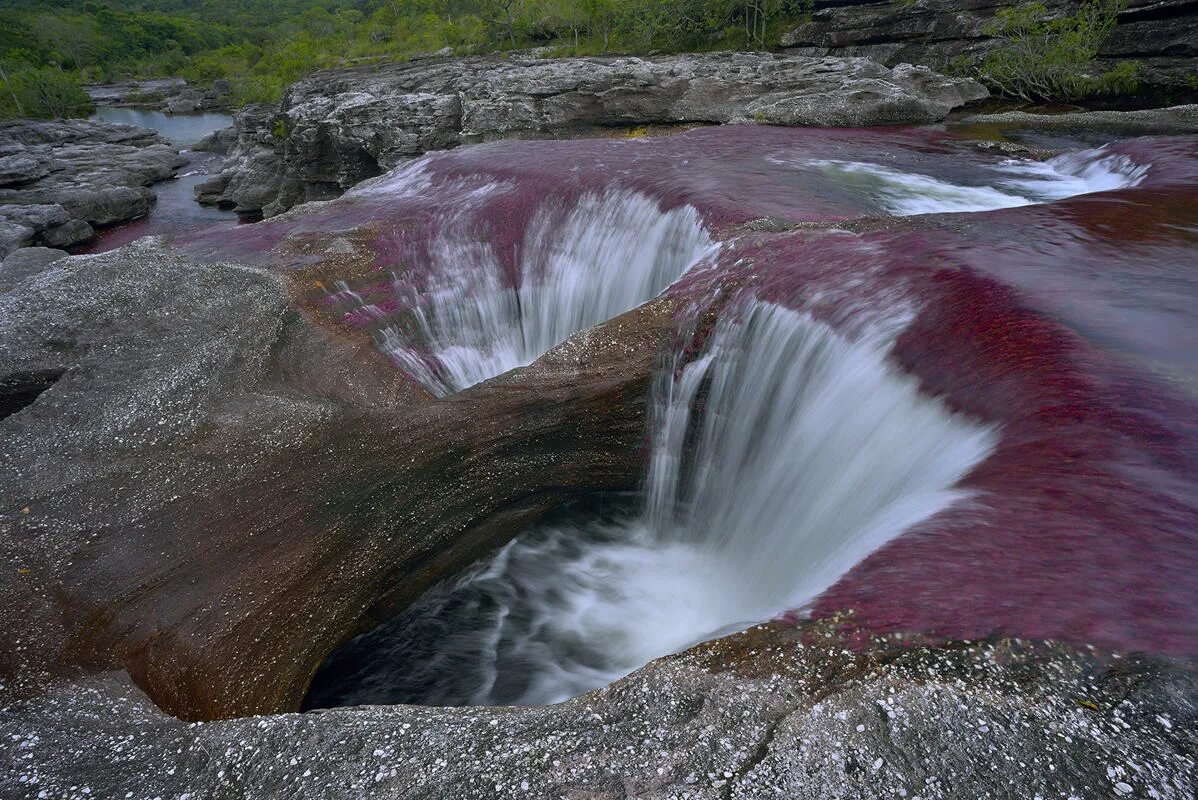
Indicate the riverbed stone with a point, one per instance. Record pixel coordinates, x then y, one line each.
183 394
13 235
24 262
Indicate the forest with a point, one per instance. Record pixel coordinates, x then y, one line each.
49 47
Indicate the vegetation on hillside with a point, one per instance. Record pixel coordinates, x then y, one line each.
49 47
1047 58
260 46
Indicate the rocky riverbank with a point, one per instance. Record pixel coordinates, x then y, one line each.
169 95
335 129
61 180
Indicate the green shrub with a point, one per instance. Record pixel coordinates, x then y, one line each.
41 92
1045 58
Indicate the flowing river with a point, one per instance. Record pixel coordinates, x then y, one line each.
175 209
796 438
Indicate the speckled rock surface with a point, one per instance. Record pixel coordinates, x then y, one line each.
334 129
773 712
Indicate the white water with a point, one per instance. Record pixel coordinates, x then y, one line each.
1011 183
578 267
810 452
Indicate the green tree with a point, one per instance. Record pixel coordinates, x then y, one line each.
1046 58
43 92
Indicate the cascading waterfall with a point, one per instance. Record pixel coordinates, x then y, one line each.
1012 183
783 456
608 254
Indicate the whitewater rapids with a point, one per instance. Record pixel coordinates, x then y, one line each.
810 452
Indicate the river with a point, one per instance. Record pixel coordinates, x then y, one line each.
176 209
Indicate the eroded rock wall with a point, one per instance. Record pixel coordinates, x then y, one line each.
337 128
1162 35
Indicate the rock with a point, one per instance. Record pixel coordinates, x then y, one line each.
1172 120
20 168
27 261
219 142
171 95
214 479
71 232
188 101
769 713
200 384
12 236
1161 35
94 174
337 128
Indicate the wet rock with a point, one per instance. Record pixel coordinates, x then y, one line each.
1160 35
771 712
1171 120
337 128
219 142
90 174
188 392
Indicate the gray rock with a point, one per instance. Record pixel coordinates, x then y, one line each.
172 95
1172 120
163 402
21 168
756 715
219 142
71 232
94 174
27 261
337 128
12 236
1160 35
38 216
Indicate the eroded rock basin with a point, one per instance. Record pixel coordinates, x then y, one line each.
889 373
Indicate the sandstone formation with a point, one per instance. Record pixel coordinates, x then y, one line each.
337 128
1162 35
59 179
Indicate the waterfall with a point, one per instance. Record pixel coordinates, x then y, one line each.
608 254
783 456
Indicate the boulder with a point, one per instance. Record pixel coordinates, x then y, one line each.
337 128
191 390
171 95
